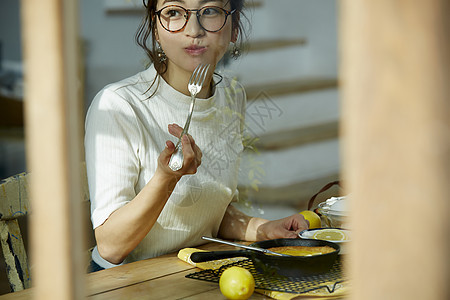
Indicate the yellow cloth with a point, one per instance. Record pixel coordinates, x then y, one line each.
340 290
185 255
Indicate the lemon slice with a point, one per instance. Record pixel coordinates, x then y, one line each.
333 235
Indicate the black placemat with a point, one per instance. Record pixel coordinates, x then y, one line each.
279 283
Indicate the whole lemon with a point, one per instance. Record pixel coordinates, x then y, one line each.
313 218
237 283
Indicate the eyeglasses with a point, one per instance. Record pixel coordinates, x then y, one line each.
174 18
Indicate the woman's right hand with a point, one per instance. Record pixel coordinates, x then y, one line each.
191 153
127 226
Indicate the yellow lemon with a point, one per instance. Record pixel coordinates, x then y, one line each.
313 218
237 283
331 234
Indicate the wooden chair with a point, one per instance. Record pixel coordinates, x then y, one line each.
15 203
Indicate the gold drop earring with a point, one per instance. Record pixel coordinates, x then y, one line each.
235 52
160 53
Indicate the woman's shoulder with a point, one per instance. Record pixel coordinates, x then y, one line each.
135 86
233 93
231 85
228 81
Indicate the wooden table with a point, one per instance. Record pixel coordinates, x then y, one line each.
161 277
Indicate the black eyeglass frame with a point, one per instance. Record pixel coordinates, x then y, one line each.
188 14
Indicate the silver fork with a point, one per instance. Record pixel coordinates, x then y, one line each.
194 86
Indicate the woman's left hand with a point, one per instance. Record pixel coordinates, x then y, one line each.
288 227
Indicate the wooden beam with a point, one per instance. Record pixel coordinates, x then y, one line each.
396 120
52 112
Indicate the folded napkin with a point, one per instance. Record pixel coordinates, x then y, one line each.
340 290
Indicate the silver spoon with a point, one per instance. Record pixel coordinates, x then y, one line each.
265 251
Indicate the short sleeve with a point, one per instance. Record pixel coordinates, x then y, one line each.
111 148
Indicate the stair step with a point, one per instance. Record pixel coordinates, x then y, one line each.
253 4
268 211
298 136
124 7
283 175
277 65
295 195
297 85
292 120
264 45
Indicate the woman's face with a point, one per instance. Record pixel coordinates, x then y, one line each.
194 45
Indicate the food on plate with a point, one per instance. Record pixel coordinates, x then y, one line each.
237 283
313 218
330 234
303 250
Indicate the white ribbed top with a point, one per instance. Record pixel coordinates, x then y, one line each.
126 130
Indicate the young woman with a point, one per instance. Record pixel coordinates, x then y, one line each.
140 208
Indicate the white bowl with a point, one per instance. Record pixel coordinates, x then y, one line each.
334 212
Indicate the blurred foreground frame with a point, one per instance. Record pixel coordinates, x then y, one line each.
395 58
53 140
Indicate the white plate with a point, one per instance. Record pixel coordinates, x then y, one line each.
309 233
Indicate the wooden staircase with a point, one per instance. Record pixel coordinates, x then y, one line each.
292 124
294 152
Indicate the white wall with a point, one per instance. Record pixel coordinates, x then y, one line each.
111 53
10 30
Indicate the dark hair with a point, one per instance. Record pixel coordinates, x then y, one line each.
147 30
